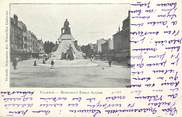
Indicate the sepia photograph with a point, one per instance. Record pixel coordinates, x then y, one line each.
70 45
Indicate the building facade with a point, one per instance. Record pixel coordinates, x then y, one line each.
121 41
23 43
17 31
99 45
107 46
41 47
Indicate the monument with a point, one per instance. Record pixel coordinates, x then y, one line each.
66 48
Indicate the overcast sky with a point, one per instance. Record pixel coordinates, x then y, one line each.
88 22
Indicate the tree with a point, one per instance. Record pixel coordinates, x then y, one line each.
87 50
48 46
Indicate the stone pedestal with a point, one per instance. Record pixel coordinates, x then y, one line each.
66 48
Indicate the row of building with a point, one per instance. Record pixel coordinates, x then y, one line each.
118 47
23 43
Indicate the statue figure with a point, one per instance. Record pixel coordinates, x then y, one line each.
66 23
66 28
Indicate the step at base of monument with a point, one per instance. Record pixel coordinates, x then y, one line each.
72 63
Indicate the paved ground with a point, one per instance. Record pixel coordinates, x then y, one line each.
69 74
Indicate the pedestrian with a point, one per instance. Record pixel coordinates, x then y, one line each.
52 64
43 61
109 61
35 63
15 62
92 57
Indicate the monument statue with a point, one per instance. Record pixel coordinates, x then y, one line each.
66 29
66 48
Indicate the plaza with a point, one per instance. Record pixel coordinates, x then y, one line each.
69 74
72 58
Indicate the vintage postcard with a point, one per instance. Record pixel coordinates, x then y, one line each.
69 45
90 58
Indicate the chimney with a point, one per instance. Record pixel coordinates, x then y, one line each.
15 19
119 29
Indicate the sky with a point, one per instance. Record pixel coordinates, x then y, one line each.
88 22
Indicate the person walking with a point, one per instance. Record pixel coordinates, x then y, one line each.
110 61
52 64
15 62
35 63
92 57
43 61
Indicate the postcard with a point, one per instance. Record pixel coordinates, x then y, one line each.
90 58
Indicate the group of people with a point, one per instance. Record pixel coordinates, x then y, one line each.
109 59
44 62
15 62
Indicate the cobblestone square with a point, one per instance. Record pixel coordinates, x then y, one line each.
69 74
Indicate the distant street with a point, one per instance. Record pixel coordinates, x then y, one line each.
69 74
